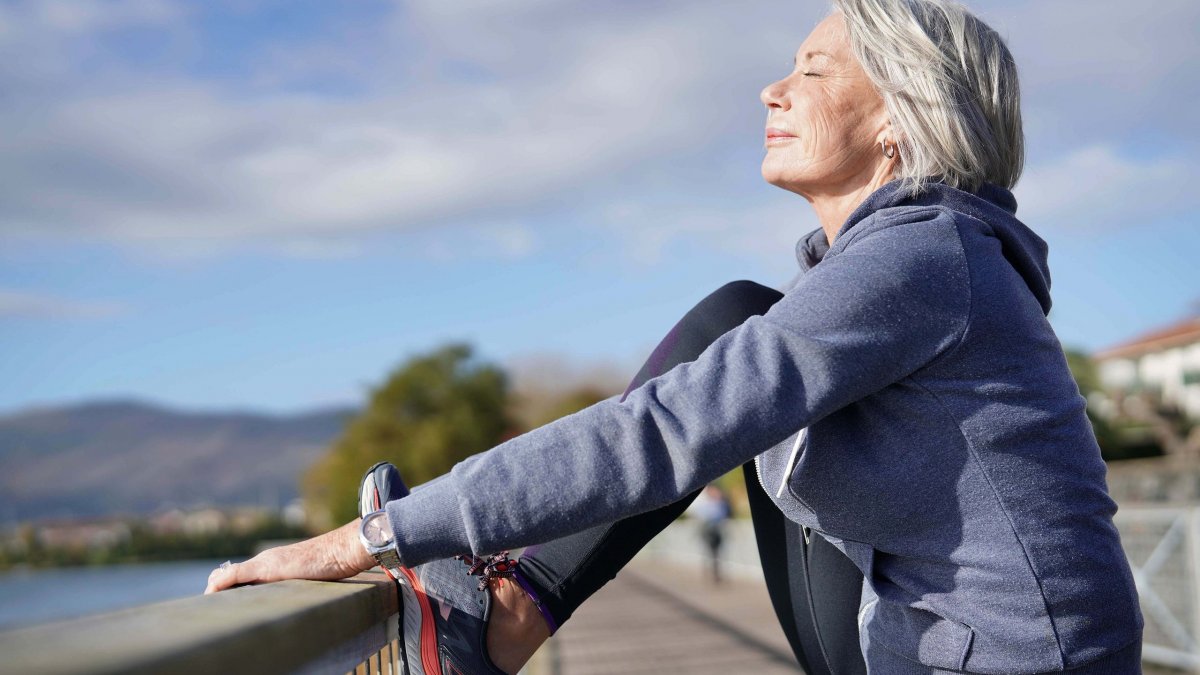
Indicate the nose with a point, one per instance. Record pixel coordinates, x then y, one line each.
774 95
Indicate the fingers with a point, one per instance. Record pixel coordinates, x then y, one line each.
217 581
230 575
334 555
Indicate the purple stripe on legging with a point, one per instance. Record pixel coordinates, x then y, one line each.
658 357
537 600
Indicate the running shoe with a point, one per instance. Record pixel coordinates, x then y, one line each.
380 484
445 604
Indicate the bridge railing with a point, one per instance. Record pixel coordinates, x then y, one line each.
1162 544
1163 547
350 626
346 626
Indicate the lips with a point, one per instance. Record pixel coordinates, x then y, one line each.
776 136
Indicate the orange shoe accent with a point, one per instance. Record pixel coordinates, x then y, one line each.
429 653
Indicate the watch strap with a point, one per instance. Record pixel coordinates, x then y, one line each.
388 558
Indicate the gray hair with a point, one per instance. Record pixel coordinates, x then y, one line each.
950 87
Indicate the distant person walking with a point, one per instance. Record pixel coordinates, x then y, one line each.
712 509
926 490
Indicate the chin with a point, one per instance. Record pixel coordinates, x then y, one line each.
773 174
783 174
780 179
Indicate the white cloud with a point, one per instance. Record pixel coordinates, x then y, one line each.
767 232
1096 189
318 249
87 16
503 240
164 162
16 304
563 100
1103 72
46 45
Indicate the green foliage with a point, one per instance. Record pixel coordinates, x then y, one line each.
145 545
570 403
432 412
1083 369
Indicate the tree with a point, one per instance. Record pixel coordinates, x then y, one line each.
1083 369
432 412
569 403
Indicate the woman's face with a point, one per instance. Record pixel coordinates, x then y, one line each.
825 120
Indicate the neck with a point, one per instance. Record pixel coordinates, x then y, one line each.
834 205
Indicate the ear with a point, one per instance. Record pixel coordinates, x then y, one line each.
886 133
888 141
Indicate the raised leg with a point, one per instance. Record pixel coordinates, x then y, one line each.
567 571
814 588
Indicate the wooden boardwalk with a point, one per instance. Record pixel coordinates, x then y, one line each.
660 618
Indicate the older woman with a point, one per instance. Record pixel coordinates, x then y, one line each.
904 406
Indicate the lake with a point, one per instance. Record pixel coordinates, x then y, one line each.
37 596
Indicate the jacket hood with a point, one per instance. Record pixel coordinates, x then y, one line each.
991 204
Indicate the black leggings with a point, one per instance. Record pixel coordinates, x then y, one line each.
814 588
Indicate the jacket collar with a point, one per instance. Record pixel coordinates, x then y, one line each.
812 247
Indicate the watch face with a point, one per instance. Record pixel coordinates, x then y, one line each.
377 530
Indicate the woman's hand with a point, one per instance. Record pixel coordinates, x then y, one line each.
331 556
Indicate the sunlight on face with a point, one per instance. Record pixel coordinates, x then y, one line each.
825 119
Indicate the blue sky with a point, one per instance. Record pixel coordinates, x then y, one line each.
271 204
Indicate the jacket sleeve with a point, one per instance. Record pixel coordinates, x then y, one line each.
881 305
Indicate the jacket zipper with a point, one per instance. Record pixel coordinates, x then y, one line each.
791 465
787 472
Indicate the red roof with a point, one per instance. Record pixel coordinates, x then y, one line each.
1181 333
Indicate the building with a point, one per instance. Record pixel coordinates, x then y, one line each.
1162 367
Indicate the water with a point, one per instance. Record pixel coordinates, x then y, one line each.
37 596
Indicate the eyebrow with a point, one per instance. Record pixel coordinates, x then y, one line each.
809 55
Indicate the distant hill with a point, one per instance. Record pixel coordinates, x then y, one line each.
131 457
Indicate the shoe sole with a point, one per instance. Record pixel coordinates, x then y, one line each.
411 607
420 630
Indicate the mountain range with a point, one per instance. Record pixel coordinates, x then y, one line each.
132 457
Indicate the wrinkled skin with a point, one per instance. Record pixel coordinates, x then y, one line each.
836 120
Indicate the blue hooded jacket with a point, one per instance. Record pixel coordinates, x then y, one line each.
907 399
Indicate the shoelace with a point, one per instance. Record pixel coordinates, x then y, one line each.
495 566
498 566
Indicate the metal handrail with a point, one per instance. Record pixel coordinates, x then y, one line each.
285 627
351 625
1162 544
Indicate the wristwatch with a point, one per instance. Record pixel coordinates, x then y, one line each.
376 535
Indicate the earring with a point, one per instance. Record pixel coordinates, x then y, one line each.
883 145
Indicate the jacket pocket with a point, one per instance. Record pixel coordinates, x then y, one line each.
916 634
921 635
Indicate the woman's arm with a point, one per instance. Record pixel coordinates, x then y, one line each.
891 296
